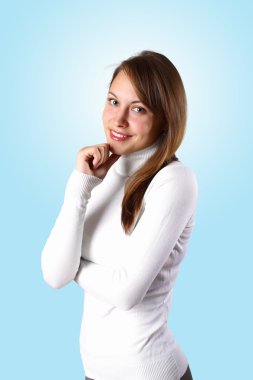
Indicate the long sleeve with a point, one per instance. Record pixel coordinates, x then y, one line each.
61 255
168 215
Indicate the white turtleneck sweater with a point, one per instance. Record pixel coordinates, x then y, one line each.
127 279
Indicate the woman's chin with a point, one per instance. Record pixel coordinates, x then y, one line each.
115 148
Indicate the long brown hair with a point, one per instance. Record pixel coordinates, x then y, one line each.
160 87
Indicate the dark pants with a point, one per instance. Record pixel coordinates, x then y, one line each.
187 375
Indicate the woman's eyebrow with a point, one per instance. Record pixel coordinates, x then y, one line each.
134 101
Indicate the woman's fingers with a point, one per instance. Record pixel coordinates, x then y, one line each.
95 160
103 169
101 154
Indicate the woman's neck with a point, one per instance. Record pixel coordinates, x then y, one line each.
130 163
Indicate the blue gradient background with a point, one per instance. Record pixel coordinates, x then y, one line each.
55 65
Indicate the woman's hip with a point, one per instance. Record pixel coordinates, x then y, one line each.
187 375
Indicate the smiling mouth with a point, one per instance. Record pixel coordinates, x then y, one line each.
118 136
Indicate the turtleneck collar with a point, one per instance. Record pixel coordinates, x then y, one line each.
130 163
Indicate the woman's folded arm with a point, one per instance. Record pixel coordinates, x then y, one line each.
169 207
61 254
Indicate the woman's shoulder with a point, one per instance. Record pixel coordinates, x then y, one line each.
175 170
175 175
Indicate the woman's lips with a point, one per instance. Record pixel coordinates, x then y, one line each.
116 136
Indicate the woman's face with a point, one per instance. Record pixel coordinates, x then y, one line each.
129 125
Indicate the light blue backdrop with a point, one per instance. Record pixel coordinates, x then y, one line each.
54 68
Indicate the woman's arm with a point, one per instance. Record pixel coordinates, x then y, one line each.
170 205
61 255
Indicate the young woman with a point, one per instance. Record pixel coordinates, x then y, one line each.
124 226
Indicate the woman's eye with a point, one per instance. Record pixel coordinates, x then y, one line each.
113 102
138 109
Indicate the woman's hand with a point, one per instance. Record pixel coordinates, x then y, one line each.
95 160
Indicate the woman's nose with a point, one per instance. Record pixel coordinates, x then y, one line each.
121 119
